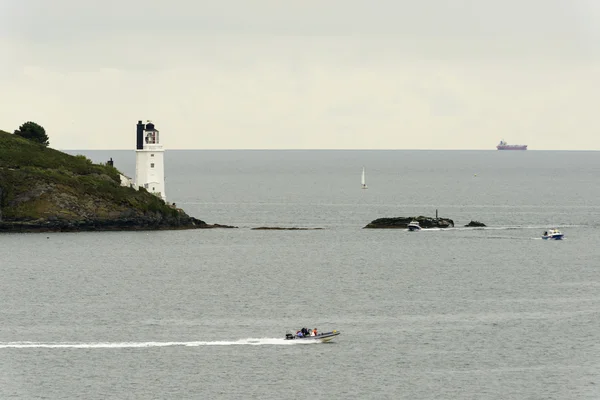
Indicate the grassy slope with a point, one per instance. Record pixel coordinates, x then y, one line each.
40 182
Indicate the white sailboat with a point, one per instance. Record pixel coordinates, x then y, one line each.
363 180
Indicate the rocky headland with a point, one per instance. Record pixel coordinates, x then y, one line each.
45 190
402 223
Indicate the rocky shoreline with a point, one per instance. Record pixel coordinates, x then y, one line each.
126 224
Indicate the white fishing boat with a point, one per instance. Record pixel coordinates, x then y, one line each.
363 179
553 234
414 226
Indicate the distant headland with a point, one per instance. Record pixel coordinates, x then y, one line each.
46 190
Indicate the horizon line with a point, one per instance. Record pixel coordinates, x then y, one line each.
322 149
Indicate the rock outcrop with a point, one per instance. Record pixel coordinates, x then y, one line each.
143 222
402 223
474 224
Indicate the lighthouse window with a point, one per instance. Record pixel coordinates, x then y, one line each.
151 155
152 165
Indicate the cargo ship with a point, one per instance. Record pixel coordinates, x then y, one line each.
505 146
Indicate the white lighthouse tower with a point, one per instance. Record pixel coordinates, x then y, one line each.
150 160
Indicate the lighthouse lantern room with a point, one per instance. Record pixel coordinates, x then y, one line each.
149 160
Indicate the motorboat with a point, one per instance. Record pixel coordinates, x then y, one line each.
553 234
319 337
414 226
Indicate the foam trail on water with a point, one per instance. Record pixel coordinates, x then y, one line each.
128 345
502 228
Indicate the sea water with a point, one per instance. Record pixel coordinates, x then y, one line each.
463 313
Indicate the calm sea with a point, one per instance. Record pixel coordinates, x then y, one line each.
493 313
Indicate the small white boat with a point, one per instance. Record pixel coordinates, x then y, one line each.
320 337
363 180
414 226
553 234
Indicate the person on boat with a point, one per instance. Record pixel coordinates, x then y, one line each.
304 331
299 334
315 332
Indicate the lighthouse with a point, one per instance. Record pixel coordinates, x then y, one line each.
149 160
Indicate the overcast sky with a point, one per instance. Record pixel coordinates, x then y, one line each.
326 74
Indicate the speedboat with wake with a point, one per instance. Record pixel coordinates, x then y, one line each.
553 234
414 226
319 337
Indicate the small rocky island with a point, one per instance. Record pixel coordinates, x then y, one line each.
475 224
45 190
402 223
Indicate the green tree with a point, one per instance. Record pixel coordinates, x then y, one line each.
32 131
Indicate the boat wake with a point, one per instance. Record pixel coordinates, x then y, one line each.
131 345
506 228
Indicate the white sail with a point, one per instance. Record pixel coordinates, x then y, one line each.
363 180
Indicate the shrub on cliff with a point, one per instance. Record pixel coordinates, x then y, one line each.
34 132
